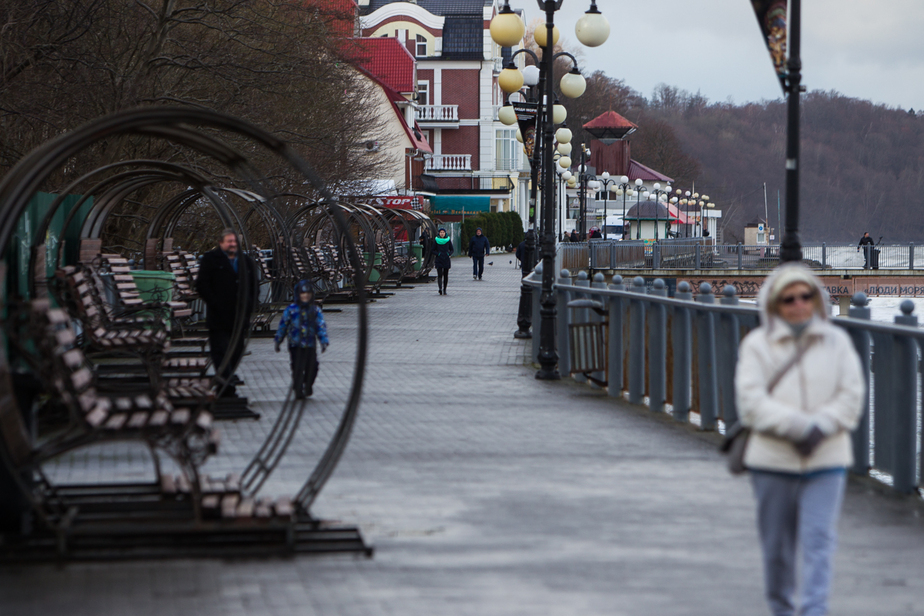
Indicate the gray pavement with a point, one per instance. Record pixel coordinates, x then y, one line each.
484 492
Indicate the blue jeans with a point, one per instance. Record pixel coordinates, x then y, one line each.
798 510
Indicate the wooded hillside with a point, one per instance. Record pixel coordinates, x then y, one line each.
862 165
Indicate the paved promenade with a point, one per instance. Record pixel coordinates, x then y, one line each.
484 492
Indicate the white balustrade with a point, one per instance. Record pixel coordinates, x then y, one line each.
449 162
437 113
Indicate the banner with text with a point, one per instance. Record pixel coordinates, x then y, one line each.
526 120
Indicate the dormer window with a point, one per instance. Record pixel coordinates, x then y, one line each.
421 46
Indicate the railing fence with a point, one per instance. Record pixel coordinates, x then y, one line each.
680 352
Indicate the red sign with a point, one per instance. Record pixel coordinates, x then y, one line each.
398 203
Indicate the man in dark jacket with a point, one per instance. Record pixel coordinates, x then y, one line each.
478 247
865 241
574 236
225 273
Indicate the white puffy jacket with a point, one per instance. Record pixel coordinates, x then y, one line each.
824 389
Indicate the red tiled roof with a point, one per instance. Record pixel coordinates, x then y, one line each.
610 119
389 60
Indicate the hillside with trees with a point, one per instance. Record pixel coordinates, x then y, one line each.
862 164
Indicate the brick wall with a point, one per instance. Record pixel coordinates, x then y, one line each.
463 140
460 87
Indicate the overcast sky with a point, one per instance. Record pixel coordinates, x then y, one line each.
865 49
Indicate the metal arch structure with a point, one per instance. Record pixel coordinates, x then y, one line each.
183 127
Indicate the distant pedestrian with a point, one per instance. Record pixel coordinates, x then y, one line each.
800 390
595 234
574 236
866 245
224 274
442 249
303 323
565 237
478 247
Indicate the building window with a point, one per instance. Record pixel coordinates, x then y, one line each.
506 150
423 92
421 46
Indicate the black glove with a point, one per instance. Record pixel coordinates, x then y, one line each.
323 348
807 445
276 346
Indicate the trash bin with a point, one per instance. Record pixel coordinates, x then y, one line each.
874 258
154 286
417 252
375 275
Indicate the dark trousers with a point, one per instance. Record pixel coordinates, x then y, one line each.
866 250
477 266
304 363
219 347
442 277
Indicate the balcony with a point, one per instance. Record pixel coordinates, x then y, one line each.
438 115
449 162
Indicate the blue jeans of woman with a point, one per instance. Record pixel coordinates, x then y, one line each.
798 512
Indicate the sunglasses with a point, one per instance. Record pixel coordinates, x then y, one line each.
791 299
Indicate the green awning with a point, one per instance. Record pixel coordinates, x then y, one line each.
460 204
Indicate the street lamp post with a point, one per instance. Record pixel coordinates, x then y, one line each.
658 195
507 30
791 245
606 184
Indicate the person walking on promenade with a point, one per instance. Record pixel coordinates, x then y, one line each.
574 236
442 249
865 241
478 247
303 323
222 274
800 390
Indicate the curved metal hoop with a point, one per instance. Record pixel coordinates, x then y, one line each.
182 126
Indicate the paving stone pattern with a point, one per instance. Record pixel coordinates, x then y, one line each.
483 491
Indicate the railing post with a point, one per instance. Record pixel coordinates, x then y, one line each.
905 420
614 348
599 282
911 258
740 255
656 255
729 337
861 342
824 254
562 321
657 350
682 343
580 315
537 275
698 259
637 343
705 334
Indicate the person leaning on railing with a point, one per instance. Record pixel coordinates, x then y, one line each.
800 390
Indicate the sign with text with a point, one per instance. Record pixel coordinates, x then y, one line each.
526 120
397 202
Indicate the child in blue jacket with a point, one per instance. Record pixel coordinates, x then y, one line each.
303 323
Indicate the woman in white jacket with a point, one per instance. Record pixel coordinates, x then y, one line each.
800 389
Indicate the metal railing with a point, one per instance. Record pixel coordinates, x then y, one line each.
637 325
702 254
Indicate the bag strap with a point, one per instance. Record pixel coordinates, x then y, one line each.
786 368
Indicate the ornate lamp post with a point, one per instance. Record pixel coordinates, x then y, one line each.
592 30
608 185
658 196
